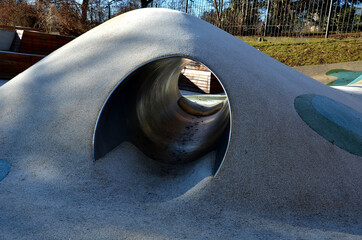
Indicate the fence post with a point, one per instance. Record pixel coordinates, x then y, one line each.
329 18
266 18
109 11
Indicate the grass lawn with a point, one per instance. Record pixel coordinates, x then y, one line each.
308 51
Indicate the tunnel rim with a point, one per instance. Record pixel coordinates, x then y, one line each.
157 59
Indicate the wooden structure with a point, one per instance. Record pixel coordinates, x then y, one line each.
12 63
195 77
28 47
42 43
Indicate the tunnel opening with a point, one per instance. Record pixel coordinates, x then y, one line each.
202 93
169 124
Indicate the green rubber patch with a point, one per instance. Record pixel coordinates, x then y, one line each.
345 77
4 169
334 121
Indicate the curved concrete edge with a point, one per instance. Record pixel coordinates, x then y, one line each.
145 110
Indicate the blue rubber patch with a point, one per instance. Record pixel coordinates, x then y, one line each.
4 169
339 113
336 122
356 80
345 77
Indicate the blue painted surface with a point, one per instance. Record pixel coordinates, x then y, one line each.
4 169
337 123
339 113
356 80
345 77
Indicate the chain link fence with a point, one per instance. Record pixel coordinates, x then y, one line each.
276 18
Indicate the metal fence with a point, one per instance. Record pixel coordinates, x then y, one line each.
276 18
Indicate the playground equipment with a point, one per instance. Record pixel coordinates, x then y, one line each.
102 145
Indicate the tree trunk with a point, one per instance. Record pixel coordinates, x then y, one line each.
145 3
84 8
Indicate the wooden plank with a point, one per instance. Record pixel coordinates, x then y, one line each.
197 79
185 84
33 47
42 43
7 27
196 66
11 64
18 28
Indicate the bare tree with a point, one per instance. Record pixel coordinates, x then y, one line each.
218 5
145 3
84 7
